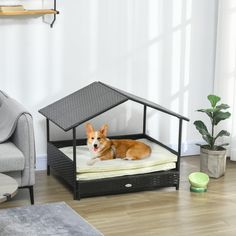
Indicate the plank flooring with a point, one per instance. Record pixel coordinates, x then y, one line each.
161 212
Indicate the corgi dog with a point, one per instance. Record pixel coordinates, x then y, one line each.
104 148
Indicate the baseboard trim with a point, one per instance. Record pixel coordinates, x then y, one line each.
190 149
41 162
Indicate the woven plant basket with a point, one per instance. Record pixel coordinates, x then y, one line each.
213 163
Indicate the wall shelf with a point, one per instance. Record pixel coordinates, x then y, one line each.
38 12
29 12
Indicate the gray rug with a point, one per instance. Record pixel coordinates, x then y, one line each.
47 219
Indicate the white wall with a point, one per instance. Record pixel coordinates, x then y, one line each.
162 50
225 70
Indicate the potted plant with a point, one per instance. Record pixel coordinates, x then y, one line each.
213 154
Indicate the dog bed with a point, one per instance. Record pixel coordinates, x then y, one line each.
89 102
160 159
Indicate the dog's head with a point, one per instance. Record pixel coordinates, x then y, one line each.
96 140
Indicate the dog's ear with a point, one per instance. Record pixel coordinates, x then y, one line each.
104 129
89 128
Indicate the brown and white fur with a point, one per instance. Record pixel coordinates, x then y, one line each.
104 148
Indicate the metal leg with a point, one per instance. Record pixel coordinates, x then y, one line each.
179 150
177 185
7 195
31 191
48 170
48 140
76 194
75 190
144 118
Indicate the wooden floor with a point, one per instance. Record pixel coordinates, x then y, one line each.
162 212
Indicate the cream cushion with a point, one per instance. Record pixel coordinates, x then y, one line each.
116 173
160 159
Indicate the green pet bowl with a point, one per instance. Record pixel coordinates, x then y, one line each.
198 180
197 190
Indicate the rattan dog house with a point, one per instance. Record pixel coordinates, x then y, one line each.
83 105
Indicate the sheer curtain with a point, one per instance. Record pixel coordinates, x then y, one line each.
225 69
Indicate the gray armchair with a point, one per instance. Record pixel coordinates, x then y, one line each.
17 154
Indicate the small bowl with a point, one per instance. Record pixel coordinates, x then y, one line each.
198 180
197 190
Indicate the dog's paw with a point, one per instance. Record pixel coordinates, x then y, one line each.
91 162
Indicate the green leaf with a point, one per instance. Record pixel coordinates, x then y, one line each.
206 147
207 111
201 127
222 133
203 145
222 106
222 145
213 100
219 116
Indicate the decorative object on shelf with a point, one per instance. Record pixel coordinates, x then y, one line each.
18 10
11 8
213 155
198 181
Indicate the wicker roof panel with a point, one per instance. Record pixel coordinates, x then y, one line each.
82 105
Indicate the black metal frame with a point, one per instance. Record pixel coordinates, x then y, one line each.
106 98
66 168
54 16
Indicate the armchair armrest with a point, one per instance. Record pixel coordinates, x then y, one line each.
23 138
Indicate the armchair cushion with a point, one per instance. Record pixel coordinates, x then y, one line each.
10 111
11 158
